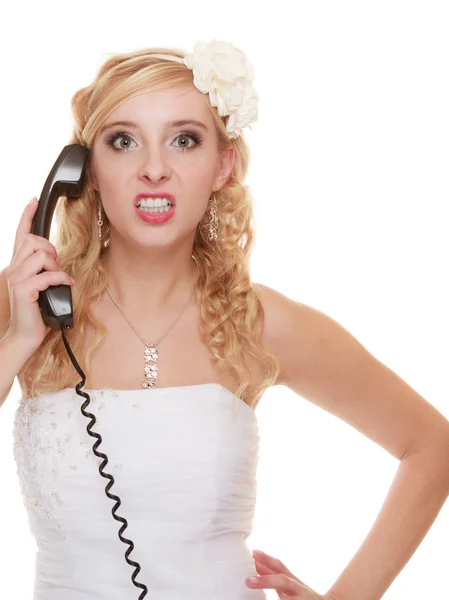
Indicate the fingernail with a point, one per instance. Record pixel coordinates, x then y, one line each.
32 201
253 579
259 552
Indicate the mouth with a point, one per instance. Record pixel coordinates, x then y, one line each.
154 200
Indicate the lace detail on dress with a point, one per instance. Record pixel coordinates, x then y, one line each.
43 447
33 449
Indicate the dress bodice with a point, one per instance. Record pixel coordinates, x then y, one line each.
184 462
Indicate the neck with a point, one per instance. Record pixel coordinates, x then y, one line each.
142 285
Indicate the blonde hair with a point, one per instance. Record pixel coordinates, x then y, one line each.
231 313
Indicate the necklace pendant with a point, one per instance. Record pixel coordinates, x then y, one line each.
150 376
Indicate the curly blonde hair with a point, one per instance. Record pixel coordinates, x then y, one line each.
231 313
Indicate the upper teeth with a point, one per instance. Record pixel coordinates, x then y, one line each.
153 202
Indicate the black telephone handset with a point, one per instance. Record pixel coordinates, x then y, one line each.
67 178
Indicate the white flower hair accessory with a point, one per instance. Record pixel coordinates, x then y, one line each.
224 72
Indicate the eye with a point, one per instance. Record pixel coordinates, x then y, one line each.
115 136
193 136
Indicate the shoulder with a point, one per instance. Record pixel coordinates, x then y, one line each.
284 327
301 337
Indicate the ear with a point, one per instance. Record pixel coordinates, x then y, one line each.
94 182
227 159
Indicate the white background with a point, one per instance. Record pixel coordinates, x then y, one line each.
349 175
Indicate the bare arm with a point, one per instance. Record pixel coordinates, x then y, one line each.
4 304
5 387
13 355
326 365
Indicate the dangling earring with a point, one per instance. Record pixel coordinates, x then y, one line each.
213 226
99 222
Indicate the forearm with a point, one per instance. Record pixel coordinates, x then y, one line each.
416 495
13 355
4 303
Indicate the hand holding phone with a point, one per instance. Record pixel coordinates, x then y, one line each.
26 278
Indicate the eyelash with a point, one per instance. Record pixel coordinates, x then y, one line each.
191 134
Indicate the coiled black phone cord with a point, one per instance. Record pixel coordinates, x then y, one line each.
106 475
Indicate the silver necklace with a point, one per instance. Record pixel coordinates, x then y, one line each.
151 353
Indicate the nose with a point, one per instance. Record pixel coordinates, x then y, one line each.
155 166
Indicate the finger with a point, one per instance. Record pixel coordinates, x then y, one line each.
31 244
263 569
279 581
31 287
273 563
25 222
33 265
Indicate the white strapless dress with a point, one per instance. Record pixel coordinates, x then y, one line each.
184 465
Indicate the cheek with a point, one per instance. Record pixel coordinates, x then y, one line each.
116 181
199 173
199 165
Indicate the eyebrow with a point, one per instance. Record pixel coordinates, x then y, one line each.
167 124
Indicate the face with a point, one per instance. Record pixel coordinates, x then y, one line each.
156 156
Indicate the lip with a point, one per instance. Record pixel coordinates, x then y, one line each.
155 195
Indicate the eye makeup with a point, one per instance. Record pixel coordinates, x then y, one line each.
111 139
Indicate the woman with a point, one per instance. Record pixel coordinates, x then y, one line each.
158 246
